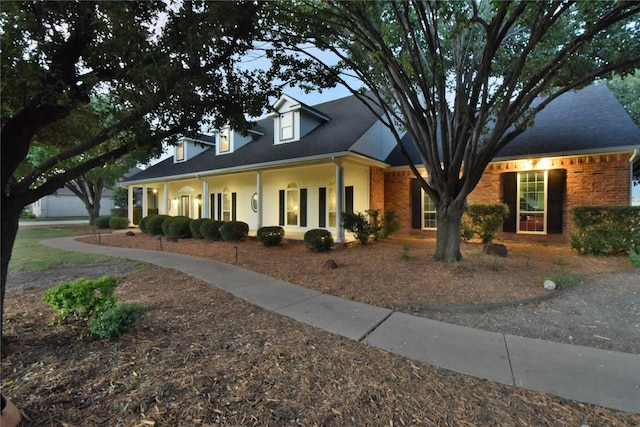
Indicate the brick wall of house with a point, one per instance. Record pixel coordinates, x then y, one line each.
591 180
376 188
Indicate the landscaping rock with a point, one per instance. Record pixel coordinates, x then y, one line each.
496 249
549 284
330 264
130 233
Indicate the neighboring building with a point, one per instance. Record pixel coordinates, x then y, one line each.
63 203
302 166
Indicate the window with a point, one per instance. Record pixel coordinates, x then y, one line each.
286 126
179 151
184 206
428 212
331 202
224 141
532 195
292 204
227 213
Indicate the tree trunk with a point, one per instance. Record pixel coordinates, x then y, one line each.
449 218
10 216
94 209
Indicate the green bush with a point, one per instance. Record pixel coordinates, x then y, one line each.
359 225
82 297
25 214
178 227
118 223
270 236
116 321
194 227
233 231
121 212
485 220
318 240
102 222
210 230
142 224
606 230
154 224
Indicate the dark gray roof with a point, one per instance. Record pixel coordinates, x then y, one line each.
350 119
588 120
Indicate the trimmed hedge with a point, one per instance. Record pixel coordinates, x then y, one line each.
234 231
318 240
154 224
210 230
118 223
270 236
606 230
178 227
484 220
143 223
102 221
195 225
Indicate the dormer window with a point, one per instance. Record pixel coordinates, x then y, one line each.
179 151
286 126
225 144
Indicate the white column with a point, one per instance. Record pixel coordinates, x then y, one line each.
130 203
259 193
145 201
165 200
205 199
339 201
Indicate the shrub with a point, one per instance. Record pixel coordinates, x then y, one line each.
390 224
116 321
25 214
318 240
234 231
270 236
102 222
634 258
210 230
143 223
154 224
359 225
120 212
606 230
178 227
118 223
165 225
82 297
485 220
194 227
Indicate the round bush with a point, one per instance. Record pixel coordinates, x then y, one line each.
179 227
210 230
154 224
195 225
143 223
118 223
102 222
318 240
234 231
270 236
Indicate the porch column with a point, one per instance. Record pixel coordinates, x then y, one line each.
130 203
259 195
165 199
339 201
205 199
145 201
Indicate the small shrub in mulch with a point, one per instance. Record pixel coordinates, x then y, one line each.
116 321
102 221
270 236
210 230
118 223
195 225
234 231
82 297
318 240
154 224
178 227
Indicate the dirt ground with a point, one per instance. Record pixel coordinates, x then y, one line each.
202 357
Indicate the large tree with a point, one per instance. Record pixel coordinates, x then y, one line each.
461 78
167 68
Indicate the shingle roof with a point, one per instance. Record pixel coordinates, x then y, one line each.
350 119
588 120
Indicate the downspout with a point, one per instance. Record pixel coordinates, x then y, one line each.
631 160
339 199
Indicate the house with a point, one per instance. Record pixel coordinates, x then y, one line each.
302 166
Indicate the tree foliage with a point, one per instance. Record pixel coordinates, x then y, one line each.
162 69
463 79
627 91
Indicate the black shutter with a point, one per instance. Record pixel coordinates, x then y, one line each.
322 207
416 204
219 207
348 199
281 208
303 207
510 198
555 199
234 201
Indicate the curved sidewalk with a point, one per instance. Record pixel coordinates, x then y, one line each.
606 378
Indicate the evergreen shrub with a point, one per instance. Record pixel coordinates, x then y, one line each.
116 321
178 227
318 240
195 225
102 221
210 230
233 231
118 223
270 236
82 297
154 224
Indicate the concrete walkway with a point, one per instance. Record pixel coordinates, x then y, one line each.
606 378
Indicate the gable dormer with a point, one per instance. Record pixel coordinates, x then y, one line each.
227 140
292 120
187 148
